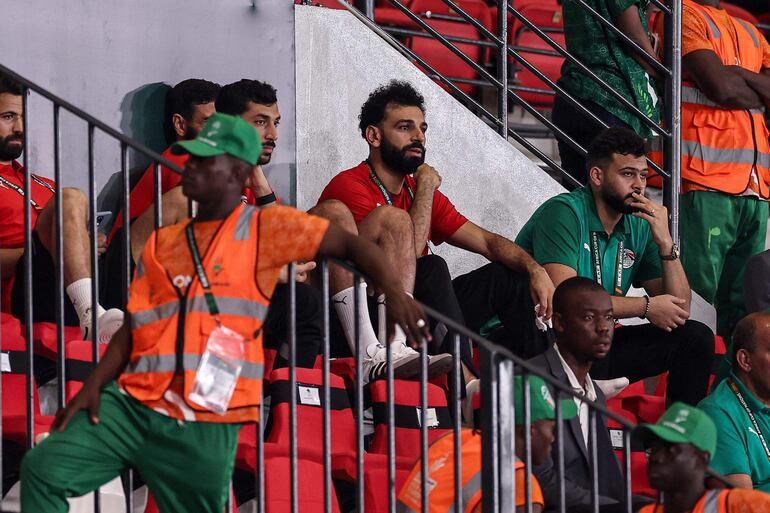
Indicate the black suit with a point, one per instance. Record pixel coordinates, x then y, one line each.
576 456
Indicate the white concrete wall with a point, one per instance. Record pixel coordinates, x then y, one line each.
111 57
339 62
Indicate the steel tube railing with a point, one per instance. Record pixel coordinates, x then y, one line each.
59 257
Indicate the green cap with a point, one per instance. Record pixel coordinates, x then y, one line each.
681 424
224 134
542 405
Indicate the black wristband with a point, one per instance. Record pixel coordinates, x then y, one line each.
266 199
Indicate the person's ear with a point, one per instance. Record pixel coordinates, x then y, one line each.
179 124
743 359
373 136
595 176
558 322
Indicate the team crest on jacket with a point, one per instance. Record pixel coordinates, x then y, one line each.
628 259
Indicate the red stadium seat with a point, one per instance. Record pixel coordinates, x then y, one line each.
407 416
45 339
78 364
640 485
550 19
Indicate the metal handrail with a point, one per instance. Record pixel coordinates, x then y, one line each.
91 120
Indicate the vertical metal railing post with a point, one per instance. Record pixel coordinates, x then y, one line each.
28 320
672 146
560 473
490 482
359 396
59 256
593 453
424 470
327 426
366 7
507 432
391 411
502 66
457 375
627 470
293 387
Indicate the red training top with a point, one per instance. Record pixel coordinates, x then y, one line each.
12 214
355 188
143 193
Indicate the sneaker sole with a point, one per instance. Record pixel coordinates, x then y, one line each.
411 370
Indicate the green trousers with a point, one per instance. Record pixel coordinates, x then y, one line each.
719 234
186 465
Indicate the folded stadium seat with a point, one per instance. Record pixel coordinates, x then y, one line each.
646 407
640 485
407 418
475 8
78 364
548 18
739 12
9 324
444 60
13 361
45 340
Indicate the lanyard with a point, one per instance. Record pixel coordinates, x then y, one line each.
741 400
211 302
18 189
383 190
598 264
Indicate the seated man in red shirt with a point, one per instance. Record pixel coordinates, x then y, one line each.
394 177
189 104
75 207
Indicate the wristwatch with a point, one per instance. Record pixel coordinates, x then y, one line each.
674 253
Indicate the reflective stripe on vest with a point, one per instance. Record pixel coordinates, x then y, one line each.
724 156
694 95
227 305
190 361
243 226
470 489
711 504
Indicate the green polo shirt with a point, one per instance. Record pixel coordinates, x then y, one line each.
739 448
561 231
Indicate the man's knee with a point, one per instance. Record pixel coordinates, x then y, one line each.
74 198
433 266
390 219
35 464
336 212
699 339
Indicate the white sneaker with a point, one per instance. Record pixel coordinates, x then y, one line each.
406 363
109 323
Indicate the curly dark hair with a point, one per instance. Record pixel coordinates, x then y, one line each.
397 92
234 98
621 141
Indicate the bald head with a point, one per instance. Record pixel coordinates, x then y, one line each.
570 290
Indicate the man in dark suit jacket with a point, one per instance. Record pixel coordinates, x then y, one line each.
584 324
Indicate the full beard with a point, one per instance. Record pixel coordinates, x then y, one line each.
397 159
617 202
8 152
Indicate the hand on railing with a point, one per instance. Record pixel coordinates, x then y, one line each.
301 271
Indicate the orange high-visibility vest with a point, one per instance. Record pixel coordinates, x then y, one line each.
441 489
717 501
720 147
170 330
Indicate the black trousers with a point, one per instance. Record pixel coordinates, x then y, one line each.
475 297
642 351
309 325
582 130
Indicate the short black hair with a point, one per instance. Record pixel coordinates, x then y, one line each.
621 141
234 98
397 92
571 286
183 97
10 86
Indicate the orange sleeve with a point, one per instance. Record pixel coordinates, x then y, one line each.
747 501
694 32
285 235
765 52
521 495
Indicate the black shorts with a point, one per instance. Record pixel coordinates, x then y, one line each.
43 288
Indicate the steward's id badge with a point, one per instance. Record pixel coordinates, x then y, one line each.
218 370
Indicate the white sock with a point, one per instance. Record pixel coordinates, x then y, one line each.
343 305
399 337
80 294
